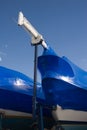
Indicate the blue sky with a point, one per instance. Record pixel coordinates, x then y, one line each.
63 24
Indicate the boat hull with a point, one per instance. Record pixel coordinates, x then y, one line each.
64 84
16 93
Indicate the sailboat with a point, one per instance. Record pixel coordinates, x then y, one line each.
16 95
16 91
64 85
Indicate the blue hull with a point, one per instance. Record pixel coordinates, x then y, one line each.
63 83
16 91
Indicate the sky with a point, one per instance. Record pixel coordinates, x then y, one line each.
63 24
